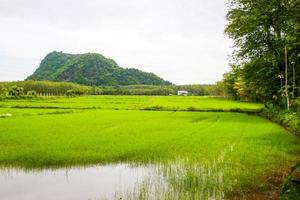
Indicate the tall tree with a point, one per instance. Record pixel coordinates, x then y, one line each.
263 30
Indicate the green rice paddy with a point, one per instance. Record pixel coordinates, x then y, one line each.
199 154
135 103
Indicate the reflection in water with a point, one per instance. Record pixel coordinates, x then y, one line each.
180 179
100 182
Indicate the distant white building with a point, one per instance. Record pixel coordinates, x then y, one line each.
182 93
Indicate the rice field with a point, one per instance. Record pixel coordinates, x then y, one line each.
191 103
192 155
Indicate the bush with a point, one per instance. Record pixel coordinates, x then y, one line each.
70 93
296 105
47 88
31 93
288 119
4 93
15 91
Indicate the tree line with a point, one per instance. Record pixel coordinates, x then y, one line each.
32 88
40 88
265 64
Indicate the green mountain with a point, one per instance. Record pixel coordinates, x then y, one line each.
91 69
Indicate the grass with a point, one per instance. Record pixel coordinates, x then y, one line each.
197 153
192 103
94 136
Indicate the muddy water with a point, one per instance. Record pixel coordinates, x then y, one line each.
99 182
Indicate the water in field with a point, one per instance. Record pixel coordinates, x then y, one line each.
176 180
100 182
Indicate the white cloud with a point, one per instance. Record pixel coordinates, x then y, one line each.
182 41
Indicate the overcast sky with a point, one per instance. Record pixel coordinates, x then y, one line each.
180 40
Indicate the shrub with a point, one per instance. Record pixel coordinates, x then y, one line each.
31 93
4 93
289 119
15 91
70 93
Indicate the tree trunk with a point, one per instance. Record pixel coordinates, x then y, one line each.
294 80
286 80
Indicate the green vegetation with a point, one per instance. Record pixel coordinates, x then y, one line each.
166 103
88 137
288 119
43 88
150 90
91 69
196 155
291 187
49 88
222 153
266 64
267 60
15 92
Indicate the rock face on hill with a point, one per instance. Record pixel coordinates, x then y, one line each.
91 69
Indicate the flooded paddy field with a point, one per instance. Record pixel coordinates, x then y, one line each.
66 153
97 182
116 181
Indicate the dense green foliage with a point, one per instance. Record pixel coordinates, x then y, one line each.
91 69
195 90
49 88
262 30
288 119
44 88
15 92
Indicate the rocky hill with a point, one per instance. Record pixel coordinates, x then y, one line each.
91 69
